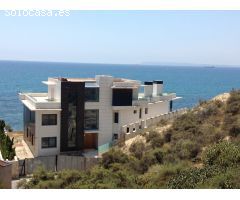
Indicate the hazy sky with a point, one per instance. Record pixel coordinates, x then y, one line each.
200 37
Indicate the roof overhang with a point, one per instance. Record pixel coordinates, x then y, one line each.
32 108
48 82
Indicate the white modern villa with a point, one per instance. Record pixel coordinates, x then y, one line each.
82 114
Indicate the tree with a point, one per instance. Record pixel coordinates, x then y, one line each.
6 144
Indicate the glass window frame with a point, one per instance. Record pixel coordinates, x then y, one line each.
48 120
47 141
97 119
87 99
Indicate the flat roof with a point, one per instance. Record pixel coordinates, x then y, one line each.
79 79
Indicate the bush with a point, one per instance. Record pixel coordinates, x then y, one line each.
233 102
186 149
113 156
151 135
234 129
158 153
158 175
167 137
6 144
227 180
163 122
150 158
137 149
224 154
157 142
189 178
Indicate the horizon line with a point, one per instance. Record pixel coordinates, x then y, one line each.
166 64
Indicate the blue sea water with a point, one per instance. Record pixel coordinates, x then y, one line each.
191 83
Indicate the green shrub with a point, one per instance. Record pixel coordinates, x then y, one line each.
6 144
167 137
230 179
147 160
157 142
159 155
151 135
158 175
137 149
233 102
113 156
191 178
224 154
163 122
186 149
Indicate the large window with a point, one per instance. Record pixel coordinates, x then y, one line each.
29 116
92 94
91 119
49 119
49 142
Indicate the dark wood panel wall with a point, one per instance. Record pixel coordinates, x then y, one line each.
77 88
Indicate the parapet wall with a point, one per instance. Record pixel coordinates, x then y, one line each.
131 130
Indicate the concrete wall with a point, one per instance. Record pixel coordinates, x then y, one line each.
127 116
105 109
60 162
46 131
148 123
5 175
75 162
57 89
47 162
15 168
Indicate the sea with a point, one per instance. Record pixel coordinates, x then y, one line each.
189 82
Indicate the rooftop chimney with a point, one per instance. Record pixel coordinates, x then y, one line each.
157 87
148 88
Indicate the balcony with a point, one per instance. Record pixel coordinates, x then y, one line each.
143 101
39 101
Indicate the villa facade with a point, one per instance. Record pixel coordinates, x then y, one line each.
78 114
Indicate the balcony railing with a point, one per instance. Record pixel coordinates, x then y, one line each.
142 100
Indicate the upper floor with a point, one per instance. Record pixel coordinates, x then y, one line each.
118 92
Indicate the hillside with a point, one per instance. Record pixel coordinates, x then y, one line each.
200 149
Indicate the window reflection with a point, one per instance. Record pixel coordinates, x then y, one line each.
91 119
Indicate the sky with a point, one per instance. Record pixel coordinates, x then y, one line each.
124 37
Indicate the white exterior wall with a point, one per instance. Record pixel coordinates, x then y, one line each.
105 109
157 89
148 90
127 116
46 131
57 89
